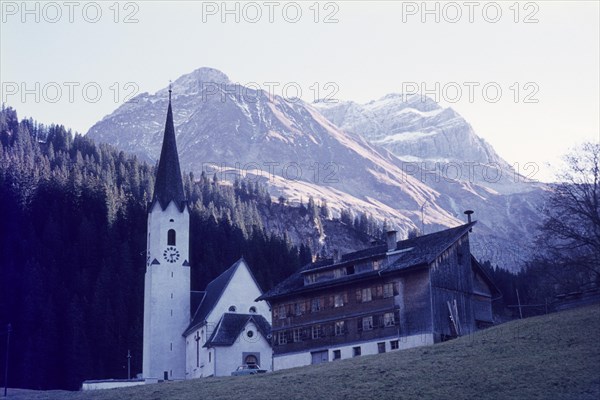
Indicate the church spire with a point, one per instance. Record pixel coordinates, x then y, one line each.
169 186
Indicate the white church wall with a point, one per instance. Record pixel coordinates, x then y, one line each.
201 364
228 358
240 293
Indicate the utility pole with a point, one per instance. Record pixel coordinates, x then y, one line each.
422 218
8 330
519 301
128 365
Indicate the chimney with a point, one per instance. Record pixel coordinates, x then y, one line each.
468 213
391 240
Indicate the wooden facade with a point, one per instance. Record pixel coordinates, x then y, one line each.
429 285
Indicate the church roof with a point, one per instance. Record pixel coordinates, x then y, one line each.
212 294
232 324
169 185
412 253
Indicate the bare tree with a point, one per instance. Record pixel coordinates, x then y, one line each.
570 232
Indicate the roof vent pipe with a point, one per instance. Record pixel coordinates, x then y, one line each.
391 240
468 213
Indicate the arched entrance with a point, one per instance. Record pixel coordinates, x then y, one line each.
251 360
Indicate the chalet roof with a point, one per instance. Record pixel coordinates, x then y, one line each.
169 186
231 325
411 253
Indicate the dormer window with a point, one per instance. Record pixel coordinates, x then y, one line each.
232 309
252 310
171 237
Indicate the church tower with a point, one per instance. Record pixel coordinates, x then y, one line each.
167 279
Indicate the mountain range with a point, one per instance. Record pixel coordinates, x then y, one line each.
401 158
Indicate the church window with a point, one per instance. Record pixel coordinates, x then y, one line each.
171 312
250 334
232 309
171 220
171 346
209 357
252 310
171 295
197 338
171 237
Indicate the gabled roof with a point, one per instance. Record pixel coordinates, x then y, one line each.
169 186
411 253
231 325
196 299
479 270
213 292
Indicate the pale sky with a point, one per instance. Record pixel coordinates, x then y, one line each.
543 51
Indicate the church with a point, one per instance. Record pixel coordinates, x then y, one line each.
190 334
413 292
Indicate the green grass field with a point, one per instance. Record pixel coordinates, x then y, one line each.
556 356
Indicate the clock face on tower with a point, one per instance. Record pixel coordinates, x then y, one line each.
171 254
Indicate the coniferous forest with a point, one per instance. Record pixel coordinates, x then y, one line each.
73 218
73 243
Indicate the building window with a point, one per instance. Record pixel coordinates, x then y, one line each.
297 335
340 328
339 272
367 323
356 351
381 347
337 354
388 290
252 310
232 309
282 312
394 345
300 308
388 319
282 338
171 237
316 331
316 304
366 295
171 346
209 357
197 339
250 334
376 264
339 300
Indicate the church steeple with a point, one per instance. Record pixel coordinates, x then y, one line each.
169 186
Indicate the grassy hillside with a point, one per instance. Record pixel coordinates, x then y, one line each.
550 357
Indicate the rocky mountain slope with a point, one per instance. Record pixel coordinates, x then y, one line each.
232 130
